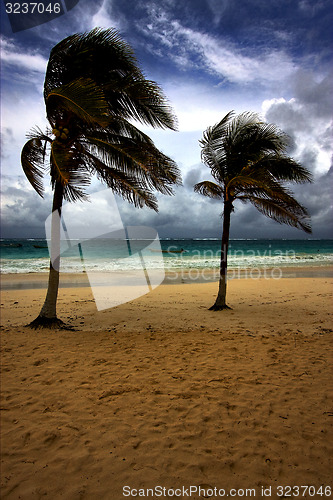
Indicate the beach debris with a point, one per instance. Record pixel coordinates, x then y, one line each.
40 362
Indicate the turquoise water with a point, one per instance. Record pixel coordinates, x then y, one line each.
31 255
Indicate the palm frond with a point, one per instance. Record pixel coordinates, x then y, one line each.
139 158
210 157
292 215
32 161
247 159
210 189
238 127
97 54
102 56
238 141
80 98
217 131
272 192
142 100
120 126
263 185
283 168
127 186
251 136
68 167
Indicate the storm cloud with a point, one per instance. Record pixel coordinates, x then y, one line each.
209 57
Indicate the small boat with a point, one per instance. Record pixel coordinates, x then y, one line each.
169 251
39 246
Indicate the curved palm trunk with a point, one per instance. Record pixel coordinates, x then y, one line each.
220 302
48 313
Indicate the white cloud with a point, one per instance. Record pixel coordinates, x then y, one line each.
217 8
102 17
307 118
228 62
10 54
189 48
29 112
310 7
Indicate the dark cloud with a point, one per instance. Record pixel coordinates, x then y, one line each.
185 215
194 176
307 118
315 92
23 212
190 215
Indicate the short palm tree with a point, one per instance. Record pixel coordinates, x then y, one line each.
94 91
248 161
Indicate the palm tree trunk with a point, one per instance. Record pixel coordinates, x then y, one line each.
220 302
48 314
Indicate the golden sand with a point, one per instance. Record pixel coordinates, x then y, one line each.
162 392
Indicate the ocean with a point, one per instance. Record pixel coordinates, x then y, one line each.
106 254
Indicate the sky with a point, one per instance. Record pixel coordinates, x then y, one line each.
209 57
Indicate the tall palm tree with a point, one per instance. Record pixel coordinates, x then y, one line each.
248 161
93 92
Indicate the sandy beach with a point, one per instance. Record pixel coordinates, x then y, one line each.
161 392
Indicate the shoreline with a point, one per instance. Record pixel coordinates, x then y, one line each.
30 281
